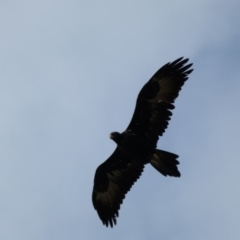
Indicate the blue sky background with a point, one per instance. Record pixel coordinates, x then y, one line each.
70 72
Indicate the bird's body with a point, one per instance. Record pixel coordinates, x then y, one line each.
136 146
133 144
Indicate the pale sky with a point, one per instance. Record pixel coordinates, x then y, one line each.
70 73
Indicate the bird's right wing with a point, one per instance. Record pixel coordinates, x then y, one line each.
113 179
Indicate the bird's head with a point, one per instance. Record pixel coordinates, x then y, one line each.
115 136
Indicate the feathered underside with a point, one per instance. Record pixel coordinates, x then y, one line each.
114 178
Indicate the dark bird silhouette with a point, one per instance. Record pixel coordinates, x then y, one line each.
136 146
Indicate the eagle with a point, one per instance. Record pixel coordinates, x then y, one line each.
137 145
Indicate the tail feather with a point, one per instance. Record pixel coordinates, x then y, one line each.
166 163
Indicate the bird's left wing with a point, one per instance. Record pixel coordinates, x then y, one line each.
113 179
156 99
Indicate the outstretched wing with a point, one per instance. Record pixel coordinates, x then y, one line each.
113 179
156 99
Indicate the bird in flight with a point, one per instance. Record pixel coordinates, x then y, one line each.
137 145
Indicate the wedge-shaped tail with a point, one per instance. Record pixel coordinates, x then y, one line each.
165 163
